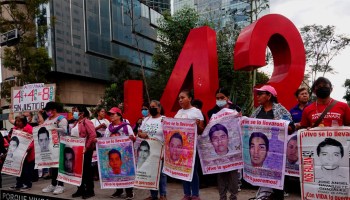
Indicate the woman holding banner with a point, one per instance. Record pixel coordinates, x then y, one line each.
119 128
52 110
24 182
191 189
227 181
152 127
84 128
269 108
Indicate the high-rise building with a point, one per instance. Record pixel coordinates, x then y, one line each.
157 5
85 38
222 12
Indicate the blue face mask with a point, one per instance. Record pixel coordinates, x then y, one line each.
144 113
76 115
221 103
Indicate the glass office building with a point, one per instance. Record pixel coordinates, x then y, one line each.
222 12
88 34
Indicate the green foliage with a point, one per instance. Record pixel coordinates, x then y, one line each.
172 33
347 92
120 71
31 63
322 44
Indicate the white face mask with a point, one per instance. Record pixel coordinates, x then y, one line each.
221 103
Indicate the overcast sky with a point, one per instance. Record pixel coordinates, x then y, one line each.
322 12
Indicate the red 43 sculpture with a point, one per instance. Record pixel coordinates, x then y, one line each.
197 65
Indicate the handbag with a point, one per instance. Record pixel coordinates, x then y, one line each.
330 106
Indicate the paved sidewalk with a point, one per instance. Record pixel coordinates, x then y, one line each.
174 191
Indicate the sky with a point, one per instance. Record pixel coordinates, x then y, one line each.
322 12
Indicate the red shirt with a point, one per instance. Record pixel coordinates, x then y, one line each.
339 115
30 151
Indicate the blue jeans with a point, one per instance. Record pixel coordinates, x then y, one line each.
193 185
162 185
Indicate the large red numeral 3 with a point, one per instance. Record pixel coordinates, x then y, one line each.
284 40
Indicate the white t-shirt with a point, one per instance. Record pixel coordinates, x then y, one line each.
153 127
60 124
97 122
192 113
120 131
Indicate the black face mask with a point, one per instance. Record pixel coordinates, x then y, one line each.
323 92
153 111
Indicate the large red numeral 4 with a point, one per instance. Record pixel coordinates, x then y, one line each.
197 68
284 40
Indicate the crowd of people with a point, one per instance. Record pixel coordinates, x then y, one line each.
303 115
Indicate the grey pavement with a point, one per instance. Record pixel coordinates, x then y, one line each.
174 191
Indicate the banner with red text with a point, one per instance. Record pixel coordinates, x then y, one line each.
16 153
47 146
148 155
220 145
32 97
324 164
180 137
264 144
292 156
71 160
116 162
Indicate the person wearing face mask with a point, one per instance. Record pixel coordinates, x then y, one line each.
54 119
152 127
222 101
145 114
227 181
84 128
338 113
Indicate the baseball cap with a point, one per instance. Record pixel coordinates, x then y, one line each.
267 88
115 110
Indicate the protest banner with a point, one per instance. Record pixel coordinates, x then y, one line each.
180 147
32 97
71 160
47 146
264 144
116 162
220 145
148 156
292 156
16 153
324 163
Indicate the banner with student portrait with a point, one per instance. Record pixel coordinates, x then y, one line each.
292 156
17 152
32 97
324 163
47 146
220 145
180 147
71 160
116 162
148 155
264 144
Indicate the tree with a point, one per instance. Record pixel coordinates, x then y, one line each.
322 44
120 71
31 63
347 92
172 34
